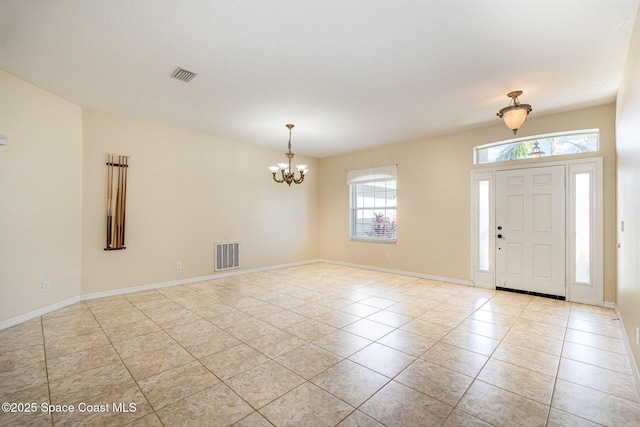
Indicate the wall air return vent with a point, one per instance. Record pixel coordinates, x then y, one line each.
227 256
184 75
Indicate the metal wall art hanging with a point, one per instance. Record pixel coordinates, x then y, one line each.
117 167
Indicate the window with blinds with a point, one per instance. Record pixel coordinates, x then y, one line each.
372 194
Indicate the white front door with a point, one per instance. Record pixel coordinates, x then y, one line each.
530 230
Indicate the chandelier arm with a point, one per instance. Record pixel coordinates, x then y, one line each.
276 179
299 180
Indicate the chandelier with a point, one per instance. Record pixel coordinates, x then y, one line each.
515 113
285 168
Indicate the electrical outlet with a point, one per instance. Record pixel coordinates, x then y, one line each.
45 286
178 265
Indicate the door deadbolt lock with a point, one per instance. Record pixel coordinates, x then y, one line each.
499 236
499 227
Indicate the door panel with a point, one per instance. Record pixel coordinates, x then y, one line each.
530 221
542 261
515 258
515 213
542 214
542 179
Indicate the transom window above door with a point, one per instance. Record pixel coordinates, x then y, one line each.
557 144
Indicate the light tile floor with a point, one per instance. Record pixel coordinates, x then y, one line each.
320 344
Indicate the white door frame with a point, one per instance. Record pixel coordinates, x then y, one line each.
591 293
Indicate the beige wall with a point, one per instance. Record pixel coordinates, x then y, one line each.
40 198
628 151
185 192
434 199
189 190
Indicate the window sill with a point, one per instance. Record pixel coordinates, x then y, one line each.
364 239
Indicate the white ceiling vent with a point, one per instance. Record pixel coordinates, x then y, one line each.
184 75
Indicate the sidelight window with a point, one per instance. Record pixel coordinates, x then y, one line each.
484 226
582 221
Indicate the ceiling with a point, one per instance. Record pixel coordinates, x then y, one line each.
349 74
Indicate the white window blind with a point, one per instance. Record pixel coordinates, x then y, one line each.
381 173
373 204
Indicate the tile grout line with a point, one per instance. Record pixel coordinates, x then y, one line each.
153 409
331 293
555 379
46 365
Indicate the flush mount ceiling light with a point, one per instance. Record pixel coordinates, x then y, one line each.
285 168
515 113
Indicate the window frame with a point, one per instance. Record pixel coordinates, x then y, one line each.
374 177
533 139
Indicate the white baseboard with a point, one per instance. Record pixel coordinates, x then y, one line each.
402 272
32 315
37 313
608 304
151 286
627 345
48 309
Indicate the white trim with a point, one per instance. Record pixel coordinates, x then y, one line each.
533 138
45 310
593 293
484 279
37 313
373 240
598 215
401 272
191 280
627 345
62 304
